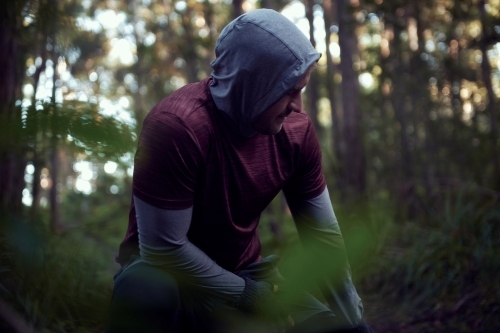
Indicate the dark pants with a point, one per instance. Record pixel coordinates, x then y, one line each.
149 299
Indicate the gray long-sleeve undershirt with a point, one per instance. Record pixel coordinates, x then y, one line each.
322 240
163 241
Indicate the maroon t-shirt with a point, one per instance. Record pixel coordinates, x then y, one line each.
188 156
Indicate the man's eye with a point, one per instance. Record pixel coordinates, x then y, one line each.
294 91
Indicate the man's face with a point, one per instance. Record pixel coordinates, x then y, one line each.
271 121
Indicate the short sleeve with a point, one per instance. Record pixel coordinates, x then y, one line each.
166 163
308 180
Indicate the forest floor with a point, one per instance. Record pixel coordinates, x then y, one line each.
412 278
470 313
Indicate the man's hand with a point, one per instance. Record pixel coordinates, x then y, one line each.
258 298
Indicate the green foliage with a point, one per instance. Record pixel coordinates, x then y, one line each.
448 271
57 283
80 127
365 227
443 273
101 216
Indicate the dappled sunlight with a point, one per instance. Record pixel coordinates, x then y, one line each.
325 112
121 53
366 80
296 13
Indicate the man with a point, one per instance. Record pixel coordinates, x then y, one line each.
210 158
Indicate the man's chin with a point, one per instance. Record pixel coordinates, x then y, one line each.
270 131
277 130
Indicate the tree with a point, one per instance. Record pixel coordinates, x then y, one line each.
12 161
328 10
486 40
352 151
313 85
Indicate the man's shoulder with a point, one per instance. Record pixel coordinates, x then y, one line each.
185 118
190 103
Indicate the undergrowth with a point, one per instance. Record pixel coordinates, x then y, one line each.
436 276
445 274
56 283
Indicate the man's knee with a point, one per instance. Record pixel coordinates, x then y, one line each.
149 284
145 298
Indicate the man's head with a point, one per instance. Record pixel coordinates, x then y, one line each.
271 120
261 60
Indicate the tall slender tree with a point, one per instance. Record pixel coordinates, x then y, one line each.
12 160
401 103
312 92
328 12
486 76
237 8
352 152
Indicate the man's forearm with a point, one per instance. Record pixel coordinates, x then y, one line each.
163 242
324 246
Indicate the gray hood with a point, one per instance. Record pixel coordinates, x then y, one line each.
260 56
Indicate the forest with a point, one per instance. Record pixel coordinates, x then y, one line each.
405 101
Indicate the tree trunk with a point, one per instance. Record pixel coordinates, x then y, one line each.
237 9
271 4
398 100
189 50
352 152
35 191
486 73
328 10
422 76
12 160
313 85
405 190
54 155
140 110
37 135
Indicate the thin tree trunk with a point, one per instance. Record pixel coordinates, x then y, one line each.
140 111
209 14
328 10
12 160
35 191
313 85
405 187
430 161
54 155
271 4
486 73
352 152
189 54
38 149
237 9
398 101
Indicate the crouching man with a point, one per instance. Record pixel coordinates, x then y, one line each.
210 158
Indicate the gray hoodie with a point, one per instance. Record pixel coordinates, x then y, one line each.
260 56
